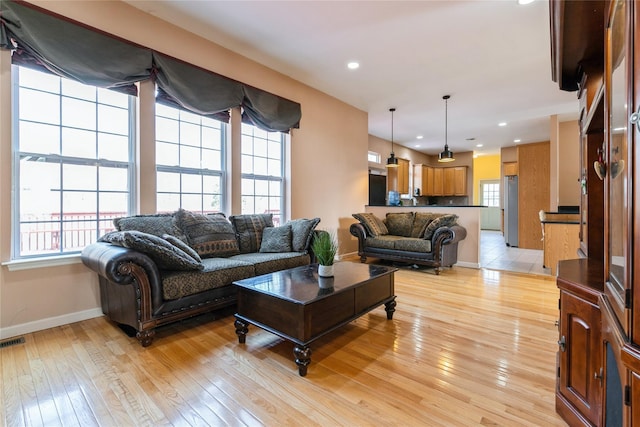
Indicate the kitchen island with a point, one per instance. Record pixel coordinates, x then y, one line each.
468 217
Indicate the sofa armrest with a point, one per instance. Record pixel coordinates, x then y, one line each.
447 235
124 266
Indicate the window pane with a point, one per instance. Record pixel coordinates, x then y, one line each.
78 143
167 154
167 130
39 138
113 205
110 97
38 80
78 90
191 183
113 179
260 166
39 106
80 114
39 196
168 182
190 134
113 120
113 147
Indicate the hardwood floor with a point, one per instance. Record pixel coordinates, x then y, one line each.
465 348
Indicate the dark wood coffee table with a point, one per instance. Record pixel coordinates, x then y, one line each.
299 306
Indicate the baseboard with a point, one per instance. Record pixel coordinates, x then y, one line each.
467 264
51 322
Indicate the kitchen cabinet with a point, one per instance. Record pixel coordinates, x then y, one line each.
403 176
460 181
510 168
438 182
449 181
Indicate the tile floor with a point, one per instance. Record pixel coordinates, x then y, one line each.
496 255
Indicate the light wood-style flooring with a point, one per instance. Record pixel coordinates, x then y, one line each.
465 348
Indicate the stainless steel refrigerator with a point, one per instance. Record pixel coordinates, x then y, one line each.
511 210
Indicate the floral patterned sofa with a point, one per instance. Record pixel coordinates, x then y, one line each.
158 269
423 238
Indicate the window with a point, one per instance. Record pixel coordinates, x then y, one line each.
490 194
189 153
373 157
262 172
72 148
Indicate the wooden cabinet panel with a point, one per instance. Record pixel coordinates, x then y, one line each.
510 168
580 355
448 182
560 242
429 186
460 181
438 181
403 176
534 181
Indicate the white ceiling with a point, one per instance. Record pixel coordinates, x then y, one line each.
491 56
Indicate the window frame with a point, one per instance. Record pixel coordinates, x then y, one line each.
17 155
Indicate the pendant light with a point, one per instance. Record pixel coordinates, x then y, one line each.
446 155
392 161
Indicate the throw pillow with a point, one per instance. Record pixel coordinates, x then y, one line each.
276 239
400 223
421 221
446 220
182 245
249 230
210 235
302 233
164 254
156 224
374 225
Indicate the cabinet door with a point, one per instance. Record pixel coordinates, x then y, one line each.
403 176
619 197
510 168
449 181
438 181
460 181
418 179
429 183
580 355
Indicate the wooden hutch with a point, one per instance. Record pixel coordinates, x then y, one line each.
593 53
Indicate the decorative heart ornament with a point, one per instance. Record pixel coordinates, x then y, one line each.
616 168
600 168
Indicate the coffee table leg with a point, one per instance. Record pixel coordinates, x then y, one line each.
303 358
242 328
390 308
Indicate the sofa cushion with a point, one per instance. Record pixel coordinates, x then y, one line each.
413 244
383 242
399 223
248 230
276 239
374 225
446 220
420 221
265 263
302 233
166 255
156 224
210 235
217 272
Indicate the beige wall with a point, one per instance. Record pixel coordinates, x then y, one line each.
327 178
569 158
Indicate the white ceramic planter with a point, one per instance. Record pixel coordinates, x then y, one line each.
325 270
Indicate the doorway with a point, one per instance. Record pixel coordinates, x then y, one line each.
490 197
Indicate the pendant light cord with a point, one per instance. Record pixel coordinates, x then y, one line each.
392 110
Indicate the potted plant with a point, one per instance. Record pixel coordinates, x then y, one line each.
325 247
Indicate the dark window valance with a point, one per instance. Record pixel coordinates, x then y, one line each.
72 51
75 51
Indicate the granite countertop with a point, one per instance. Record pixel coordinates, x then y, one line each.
429 206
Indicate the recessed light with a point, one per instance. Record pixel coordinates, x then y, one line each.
516 140
353 65
478 145
525 1
502 124
417 145
419 137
